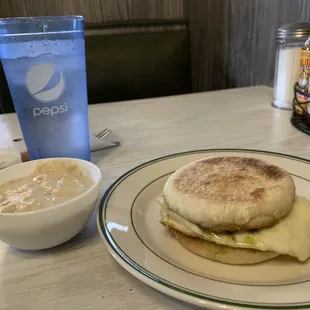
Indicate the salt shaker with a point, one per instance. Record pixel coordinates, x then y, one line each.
290 40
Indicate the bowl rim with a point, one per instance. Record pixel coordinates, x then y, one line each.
60 205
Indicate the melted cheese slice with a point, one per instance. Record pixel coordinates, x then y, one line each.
290 236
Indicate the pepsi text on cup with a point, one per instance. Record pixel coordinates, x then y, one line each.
47 89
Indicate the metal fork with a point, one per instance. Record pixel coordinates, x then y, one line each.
103 133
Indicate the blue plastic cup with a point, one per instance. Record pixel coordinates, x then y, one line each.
44 63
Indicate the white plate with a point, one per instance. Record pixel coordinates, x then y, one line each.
128 222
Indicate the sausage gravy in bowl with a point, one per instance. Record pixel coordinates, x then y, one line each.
52 183
46 202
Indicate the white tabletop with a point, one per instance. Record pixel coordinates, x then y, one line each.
81 274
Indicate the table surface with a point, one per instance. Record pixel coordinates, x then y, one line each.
81 274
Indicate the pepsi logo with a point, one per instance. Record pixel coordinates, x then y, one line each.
44 83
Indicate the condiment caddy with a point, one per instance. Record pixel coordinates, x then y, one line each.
291 39
292 73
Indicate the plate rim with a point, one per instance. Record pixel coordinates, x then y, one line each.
161 284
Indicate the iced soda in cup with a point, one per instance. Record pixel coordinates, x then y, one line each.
44 63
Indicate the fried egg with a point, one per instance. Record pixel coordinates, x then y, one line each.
289 236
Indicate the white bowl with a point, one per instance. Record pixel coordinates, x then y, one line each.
46 228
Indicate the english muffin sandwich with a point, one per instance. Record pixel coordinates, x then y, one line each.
236 210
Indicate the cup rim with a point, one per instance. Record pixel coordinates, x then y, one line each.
48 18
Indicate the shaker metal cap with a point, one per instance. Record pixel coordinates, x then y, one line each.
293 31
